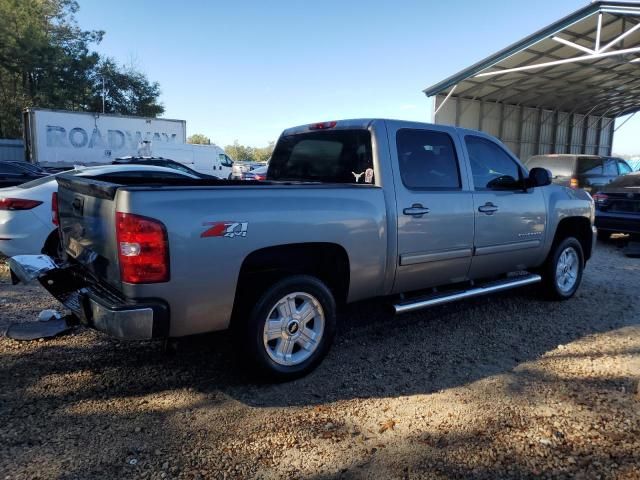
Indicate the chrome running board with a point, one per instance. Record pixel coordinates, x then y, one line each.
484 289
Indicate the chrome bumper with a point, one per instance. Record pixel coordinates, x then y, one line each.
94 304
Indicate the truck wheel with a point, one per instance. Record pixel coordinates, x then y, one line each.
562 273
290 328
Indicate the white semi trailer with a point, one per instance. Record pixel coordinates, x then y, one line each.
61 139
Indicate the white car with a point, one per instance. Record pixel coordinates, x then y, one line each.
26 226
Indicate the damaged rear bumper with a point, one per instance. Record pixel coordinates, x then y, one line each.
94 303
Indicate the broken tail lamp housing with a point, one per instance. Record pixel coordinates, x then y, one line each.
600 198
143 249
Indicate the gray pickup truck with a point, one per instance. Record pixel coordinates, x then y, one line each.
420 214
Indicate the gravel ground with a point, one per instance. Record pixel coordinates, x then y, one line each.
508 386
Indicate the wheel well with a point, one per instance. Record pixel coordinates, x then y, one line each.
51 244
578 227
326 261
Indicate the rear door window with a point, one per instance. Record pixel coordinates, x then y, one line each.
590 166
624 167
610 167
427 160
338 156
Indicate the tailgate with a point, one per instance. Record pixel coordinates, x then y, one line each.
86 209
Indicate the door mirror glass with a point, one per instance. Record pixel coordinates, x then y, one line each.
539 177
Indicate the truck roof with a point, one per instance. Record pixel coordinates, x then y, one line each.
364 123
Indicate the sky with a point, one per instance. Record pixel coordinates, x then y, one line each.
246 70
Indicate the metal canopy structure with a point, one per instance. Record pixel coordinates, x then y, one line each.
556 91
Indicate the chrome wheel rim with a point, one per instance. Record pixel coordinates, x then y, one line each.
293 329
567 269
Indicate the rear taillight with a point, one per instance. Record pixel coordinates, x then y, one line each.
18 204
55 219
259 177
573 183
322 125
600 198
143 249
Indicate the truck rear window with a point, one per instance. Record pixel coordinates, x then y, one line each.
590 166
560 165
338 156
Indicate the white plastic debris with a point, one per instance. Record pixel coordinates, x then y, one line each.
46 315
29 267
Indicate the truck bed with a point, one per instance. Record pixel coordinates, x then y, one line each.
204 267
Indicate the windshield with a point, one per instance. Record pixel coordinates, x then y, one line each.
28 166
48 178
338 156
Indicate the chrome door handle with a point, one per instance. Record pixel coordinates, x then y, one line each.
416 210
488 208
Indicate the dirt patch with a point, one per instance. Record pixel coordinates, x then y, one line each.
508 386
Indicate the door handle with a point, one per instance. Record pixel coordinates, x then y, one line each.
488 208
416 210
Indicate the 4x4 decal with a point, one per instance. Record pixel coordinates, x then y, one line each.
225 229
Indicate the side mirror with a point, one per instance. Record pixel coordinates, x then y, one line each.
539 177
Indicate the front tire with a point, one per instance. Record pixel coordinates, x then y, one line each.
290 328
562 272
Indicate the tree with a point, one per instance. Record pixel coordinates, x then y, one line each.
199 138
264 153
127 91
239 152
46 61
246 153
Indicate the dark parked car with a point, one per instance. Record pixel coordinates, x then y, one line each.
618 206
12 174
30 166
160 162
257 174
591 172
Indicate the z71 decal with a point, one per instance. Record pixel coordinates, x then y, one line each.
225 229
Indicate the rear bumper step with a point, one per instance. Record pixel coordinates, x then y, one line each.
489 287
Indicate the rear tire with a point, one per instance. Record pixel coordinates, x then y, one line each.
290 328
562 272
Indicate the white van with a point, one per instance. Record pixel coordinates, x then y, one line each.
209 159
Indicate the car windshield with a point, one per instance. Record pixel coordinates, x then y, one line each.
27 166
43 180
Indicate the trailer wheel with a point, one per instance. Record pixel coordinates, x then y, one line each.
290 328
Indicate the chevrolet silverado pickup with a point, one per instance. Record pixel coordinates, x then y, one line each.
419 214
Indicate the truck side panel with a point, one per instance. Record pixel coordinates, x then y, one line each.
212 231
